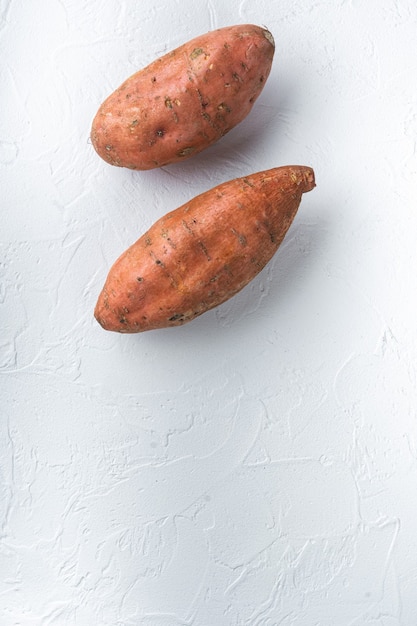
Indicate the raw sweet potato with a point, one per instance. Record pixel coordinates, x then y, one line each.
184 101
201 254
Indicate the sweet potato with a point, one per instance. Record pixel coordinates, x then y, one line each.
201 254
184 101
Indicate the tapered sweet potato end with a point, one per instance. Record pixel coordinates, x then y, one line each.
303 176
102 312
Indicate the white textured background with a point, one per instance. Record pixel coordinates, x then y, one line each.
258 466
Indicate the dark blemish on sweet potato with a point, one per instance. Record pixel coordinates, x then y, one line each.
205 251
176 317
196 53
224 107
241 238
186 151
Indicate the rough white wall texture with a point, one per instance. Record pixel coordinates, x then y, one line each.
258 466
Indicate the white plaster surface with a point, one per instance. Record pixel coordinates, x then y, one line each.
257 466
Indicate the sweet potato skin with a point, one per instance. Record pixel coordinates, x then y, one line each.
201 254
184 101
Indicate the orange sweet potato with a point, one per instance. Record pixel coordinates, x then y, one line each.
184 101
201 254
